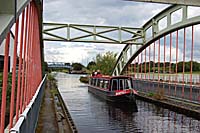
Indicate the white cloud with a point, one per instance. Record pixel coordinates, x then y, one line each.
75 52
98 12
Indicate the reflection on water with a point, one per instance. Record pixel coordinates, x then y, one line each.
93 115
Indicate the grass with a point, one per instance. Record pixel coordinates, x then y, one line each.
8 94
160 94
84 79
54 91
53 84
150 94
9 85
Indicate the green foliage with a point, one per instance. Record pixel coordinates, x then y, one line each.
160 94
51 77
68 64
105 63
9 85
195 67
8 95
45 65
77 66
150 94
84 79
91 64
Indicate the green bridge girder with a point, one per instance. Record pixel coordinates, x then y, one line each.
92 33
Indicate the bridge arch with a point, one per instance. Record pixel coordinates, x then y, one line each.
156 31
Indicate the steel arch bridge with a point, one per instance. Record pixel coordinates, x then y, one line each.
152 31
144 56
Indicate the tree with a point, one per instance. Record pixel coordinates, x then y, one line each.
180 67
105 63
67 64
195 66
77 66
91 64
45 65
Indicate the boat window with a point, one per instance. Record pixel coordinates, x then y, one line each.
101 83
93 81
121 84
128 84
90 81
98 82
105 84
114 85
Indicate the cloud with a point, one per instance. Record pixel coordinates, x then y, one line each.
98 12
112 12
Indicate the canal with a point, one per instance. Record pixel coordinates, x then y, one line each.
94 115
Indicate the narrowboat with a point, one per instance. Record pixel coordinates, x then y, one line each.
113 88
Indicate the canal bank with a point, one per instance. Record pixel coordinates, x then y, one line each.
54 116
177 105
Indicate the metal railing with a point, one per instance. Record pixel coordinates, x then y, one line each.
28 119
175 90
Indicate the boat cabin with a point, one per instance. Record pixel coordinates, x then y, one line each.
112 83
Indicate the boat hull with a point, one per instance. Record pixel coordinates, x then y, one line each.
110 96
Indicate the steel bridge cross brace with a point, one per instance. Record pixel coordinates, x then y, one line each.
92 33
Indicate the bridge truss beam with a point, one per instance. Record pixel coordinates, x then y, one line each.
180 2
92 33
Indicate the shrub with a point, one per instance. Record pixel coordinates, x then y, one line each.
84 79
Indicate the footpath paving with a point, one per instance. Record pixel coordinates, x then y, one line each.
54 116
47 122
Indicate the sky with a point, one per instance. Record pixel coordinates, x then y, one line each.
96 12
108 12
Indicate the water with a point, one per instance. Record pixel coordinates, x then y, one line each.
94 115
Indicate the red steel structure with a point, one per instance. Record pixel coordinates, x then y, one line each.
29 73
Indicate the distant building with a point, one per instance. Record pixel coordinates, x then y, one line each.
10 60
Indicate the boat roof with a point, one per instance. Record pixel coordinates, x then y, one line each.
110 77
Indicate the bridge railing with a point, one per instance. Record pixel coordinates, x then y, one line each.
19 92
170 64
28 119
173 90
